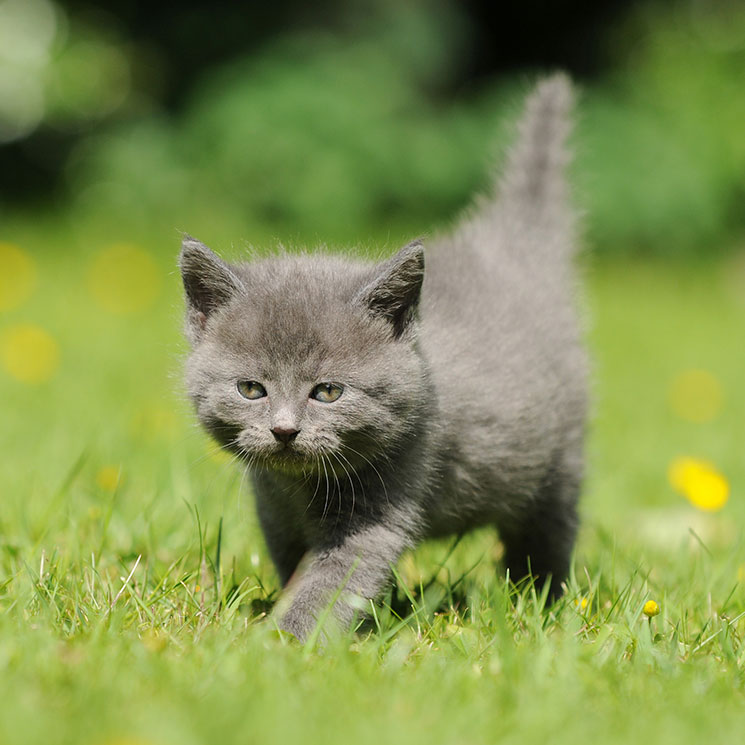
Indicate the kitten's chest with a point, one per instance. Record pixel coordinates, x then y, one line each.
313 505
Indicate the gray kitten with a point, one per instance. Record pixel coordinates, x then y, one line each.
376 405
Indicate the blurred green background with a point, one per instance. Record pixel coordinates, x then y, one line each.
133 577
357 119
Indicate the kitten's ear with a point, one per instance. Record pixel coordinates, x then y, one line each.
208 282
394 291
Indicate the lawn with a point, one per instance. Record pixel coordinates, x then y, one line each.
134 583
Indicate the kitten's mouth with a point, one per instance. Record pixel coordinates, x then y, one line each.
288 458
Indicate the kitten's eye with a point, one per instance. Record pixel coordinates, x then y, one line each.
327 392
251 389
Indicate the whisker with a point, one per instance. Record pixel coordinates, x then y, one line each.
380 446
326 502
338 511
377 473
303 482
351 483
359 480
214 448
336 479
318 484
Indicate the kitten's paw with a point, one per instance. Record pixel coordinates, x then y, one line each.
297 623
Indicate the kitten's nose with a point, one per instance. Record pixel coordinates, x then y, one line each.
284 434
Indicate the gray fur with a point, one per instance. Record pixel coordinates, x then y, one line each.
464 386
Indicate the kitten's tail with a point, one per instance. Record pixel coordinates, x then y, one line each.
532 191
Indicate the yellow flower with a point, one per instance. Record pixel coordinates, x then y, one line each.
124 279
154 641
29 353
153 421
699 482
17 276
651 609
696 395
109 477
581 603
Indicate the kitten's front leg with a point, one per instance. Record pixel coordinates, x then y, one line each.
280 522
359 564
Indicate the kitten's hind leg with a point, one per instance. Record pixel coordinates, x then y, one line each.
539 542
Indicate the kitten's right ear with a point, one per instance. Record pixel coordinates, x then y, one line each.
208 282
393 293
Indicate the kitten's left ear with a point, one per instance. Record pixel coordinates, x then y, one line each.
394 291
209 283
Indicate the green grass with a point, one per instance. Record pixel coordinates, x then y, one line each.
137 614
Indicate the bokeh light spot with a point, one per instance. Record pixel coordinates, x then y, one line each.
124 279
29 353
154 640
152 422
696 395
217 454
109 477
17 276
27 30
699 482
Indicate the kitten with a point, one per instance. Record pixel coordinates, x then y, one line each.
376 405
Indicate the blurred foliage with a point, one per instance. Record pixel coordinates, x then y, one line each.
58 71
348 136
312 135
662 142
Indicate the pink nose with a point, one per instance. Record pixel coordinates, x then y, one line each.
285 434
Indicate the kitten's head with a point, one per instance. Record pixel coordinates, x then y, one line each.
302 363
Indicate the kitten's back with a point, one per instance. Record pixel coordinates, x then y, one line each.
498 317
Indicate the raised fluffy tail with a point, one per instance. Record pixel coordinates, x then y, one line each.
533 192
